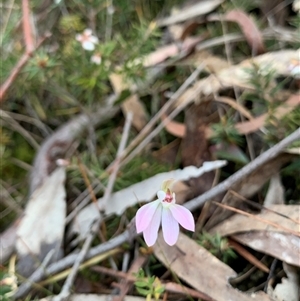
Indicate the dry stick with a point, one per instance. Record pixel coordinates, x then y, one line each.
130 233
65 292
82 200
27 30
87 182
146 130
40 270
29 49
116 165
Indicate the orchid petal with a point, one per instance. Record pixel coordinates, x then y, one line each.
161 195
87 45
150 233
79 37
144 215
93 39
170 227
87 32
183 216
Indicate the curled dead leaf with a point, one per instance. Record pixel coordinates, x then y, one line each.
249 28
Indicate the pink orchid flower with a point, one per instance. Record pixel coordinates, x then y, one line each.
87 39
166 211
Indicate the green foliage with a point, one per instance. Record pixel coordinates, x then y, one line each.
279 129
69 24
8 285
216 245
262 79
148 286
224 131
244 5
295 21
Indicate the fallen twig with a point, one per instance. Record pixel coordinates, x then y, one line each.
247 255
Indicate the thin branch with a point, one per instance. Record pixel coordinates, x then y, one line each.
117 161
40 270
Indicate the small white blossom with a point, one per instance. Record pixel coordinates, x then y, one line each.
87 39
96 58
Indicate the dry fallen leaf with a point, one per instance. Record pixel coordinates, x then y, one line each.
42 227
143 191
249 28
240 223
179 130
198 9
200 269
131 104
213 63
275 194
280 242
288 289
163 53
258 122
279 245
237 75
135 106
174 127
